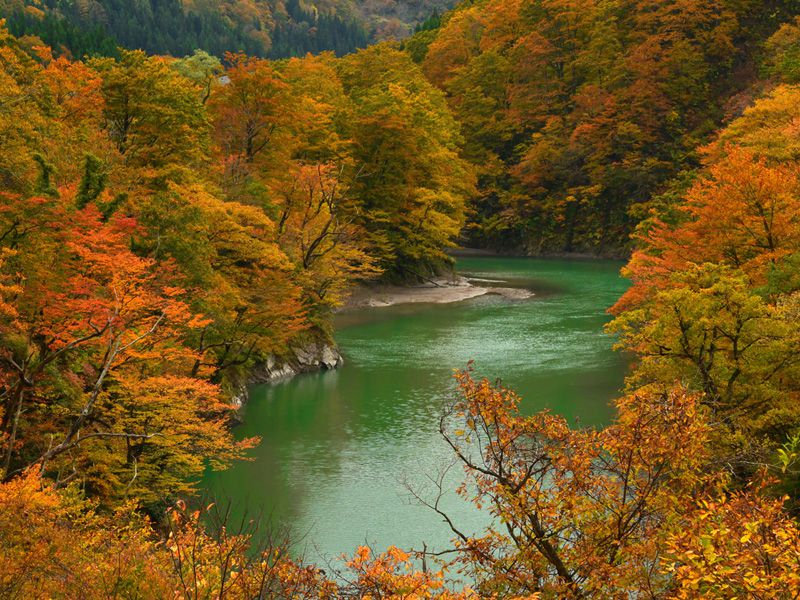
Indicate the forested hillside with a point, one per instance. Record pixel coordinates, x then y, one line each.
168 223
577 113
274 28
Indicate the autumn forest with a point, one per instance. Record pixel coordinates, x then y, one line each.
191 190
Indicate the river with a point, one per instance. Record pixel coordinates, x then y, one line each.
340 448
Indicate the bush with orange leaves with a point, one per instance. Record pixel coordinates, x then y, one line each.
55 545
740 546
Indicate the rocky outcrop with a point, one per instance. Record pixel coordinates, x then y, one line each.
308 358
311 357
238 391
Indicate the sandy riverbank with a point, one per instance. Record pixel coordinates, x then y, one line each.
440 291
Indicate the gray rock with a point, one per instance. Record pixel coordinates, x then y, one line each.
307 356
331 359
239 398
280 373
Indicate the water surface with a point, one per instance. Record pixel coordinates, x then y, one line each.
339 449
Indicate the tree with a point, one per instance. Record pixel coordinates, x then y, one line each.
92 363
245 282
202 68
22 115
322 236
55 543
576 113
155 118
782 60
251 115
714 296
412 185
710 330
580 513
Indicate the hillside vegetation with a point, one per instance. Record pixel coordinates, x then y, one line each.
161 232
274 28
577 113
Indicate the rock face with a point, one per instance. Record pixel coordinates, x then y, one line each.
315 356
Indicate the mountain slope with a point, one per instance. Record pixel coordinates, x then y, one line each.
578 113
273 28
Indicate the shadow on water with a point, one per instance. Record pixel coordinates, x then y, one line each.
338 446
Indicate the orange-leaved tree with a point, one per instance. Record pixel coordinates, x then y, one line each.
714 295
251 115
577 513
97 383
321 234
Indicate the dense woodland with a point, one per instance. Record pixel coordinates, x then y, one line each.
264 28
167 223
577 113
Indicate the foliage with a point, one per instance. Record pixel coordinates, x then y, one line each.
625 511
714 298
575 113
92 362
743 545
55 545
152 116
783 53
410 180
265 28
163 230
583 513
165 224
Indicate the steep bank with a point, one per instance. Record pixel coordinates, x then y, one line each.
314 356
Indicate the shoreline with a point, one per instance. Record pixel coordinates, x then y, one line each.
439 291
453 288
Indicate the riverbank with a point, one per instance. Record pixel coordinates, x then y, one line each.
436 291
454 288
310 357
318 354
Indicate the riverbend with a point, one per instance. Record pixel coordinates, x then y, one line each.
340 448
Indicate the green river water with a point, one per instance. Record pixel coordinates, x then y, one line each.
339 448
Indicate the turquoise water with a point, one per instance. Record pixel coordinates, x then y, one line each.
340 449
